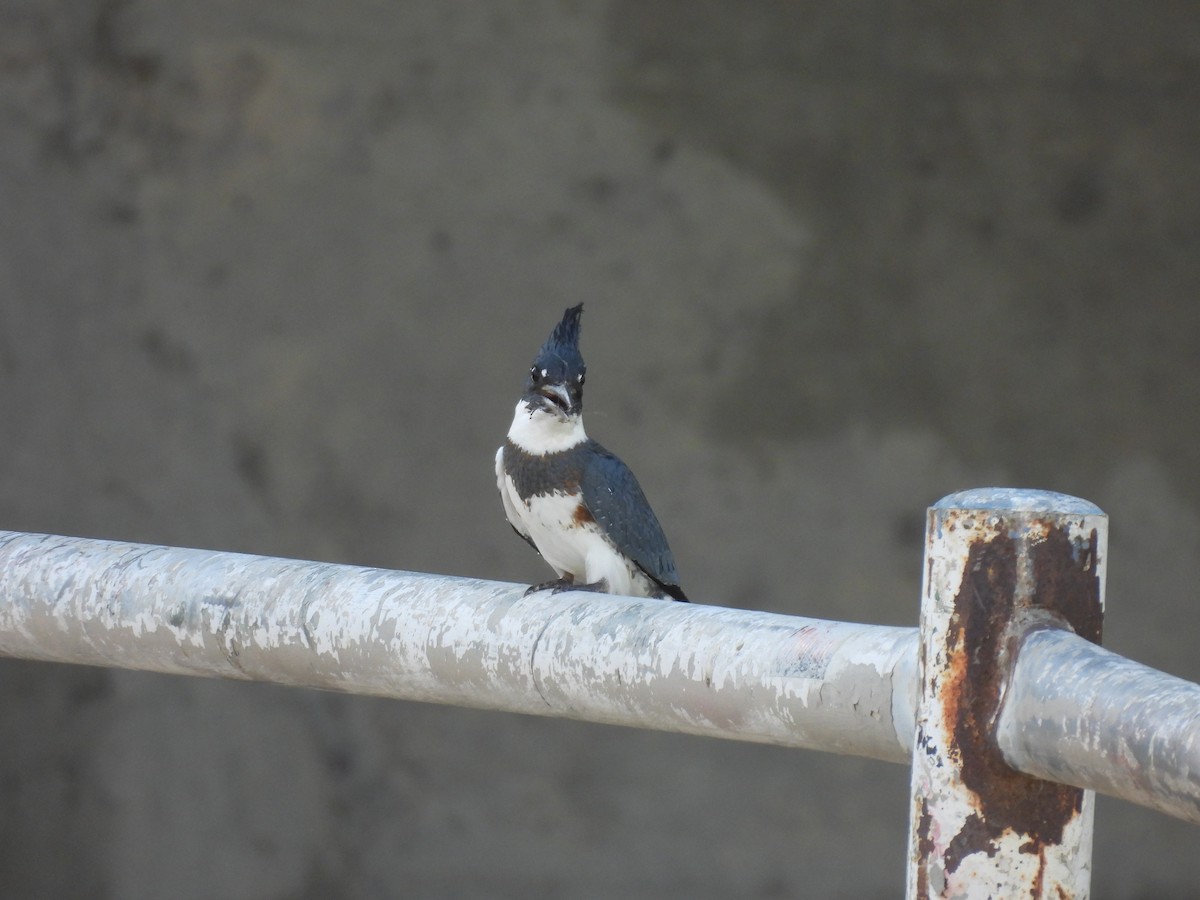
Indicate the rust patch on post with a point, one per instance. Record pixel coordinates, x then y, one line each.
1065 582
1067 585
1039 880
924 850
973 837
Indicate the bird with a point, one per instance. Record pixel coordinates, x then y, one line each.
576 503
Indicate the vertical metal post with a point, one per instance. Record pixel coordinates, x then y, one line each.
999 564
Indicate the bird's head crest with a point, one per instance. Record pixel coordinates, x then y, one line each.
560 355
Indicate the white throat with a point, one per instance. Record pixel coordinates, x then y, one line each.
540 432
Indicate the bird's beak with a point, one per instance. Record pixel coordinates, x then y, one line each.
556 398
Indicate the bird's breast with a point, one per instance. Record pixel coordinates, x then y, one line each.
561 528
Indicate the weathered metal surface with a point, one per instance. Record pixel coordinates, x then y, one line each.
648 663
1080 714
1070 711
998 564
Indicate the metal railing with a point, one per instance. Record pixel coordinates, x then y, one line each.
1008 711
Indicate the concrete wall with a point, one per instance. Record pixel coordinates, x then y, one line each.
270 274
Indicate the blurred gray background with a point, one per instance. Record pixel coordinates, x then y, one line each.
270 276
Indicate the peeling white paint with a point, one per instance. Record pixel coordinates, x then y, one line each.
646 663
1073 712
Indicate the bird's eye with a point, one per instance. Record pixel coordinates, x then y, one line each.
533 374
579 378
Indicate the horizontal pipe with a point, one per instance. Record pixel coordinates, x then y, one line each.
644 663
647 663
1079 714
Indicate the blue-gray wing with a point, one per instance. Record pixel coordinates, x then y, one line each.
613 496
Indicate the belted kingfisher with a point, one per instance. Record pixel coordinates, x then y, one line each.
573 501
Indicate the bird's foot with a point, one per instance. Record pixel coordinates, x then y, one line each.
558 585
599 587
554 586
